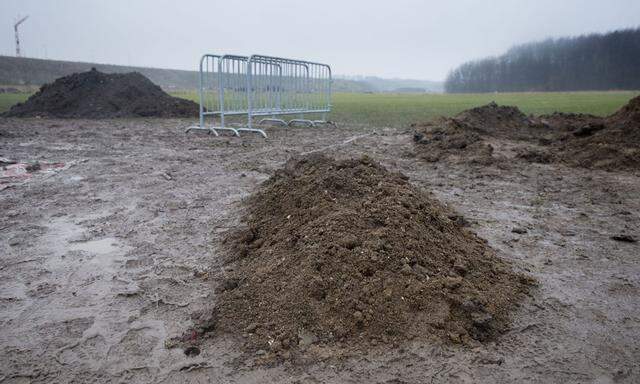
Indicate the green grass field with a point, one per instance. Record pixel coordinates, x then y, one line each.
399 110
382 109
8 99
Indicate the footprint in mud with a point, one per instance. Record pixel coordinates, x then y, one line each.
623 288
11 291
43 290
99 247
57 334
99 259
134 349
27 235
89 352
138 263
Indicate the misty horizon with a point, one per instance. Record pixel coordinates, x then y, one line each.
405 40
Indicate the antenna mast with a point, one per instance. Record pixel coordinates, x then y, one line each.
15 28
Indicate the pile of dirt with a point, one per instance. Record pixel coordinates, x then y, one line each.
535 155
581 140
498 121
579 124
96 95
465 137
612 143
347 253
450 139
628 115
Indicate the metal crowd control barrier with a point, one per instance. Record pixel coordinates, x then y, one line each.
262 86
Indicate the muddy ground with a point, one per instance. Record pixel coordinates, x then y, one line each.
104 261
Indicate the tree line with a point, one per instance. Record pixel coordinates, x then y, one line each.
589 62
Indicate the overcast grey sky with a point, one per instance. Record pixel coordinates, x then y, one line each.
389 38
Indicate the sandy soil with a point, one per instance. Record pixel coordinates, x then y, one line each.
102 262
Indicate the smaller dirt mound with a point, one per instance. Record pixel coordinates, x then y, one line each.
627 116
465 137
561 122
450 139
535 155
97 95
496 120
581 140
612 143
348 252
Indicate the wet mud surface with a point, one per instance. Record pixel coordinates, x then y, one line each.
103 263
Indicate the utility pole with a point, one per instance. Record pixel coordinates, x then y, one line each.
15 28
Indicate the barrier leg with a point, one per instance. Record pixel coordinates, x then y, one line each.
325 122
260 131
234 130
306 122
199 128
250 128
272 120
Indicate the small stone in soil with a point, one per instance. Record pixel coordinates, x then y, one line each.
624 238
192 351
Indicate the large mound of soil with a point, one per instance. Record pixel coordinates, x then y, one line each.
95 95
348 252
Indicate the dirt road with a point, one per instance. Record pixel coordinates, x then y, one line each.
106 259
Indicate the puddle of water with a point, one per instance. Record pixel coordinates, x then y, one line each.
12 291
99 247
75 178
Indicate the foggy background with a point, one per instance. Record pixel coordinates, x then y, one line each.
400 38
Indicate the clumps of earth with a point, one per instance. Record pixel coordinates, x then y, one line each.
464 137
346 253
581 140
610 143
95 95
451 139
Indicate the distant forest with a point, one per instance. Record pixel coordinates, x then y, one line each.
592 62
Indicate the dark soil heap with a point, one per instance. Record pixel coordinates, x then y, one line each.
580 124
348 252
629 115
581 140
496 120
612 143
463 138
451 139
96 95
